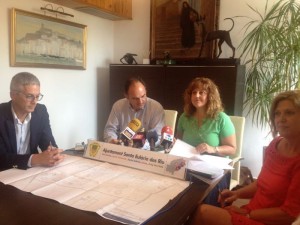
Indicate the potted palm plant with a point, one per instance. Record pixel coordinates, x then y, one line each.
271 53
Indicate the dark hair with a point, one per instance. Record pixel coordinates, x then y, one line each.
185 3
22 79
214 103
131 81
293 96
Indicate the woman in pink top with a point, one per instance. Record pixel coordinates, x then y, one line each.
275 196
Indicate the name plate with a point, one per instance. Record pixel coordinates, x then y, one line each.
165 164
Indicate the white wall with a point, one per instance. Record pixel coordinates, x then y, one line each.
78 100
71 96
134 36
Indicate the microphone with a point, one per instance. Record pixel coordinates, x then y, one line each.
128 133
152 138
166 137
139 139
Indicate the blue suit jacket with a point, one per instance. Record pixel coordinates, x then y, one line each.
40 136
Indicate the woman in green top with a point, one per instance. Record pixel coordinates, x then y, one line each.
203 123
205 126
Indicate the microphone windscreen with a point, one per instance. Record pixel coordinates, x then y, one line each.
152 135
167 129
131 129
166 137
135 124
139 140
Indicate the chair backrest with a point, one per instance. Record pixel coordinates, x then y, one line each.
239 124
170 118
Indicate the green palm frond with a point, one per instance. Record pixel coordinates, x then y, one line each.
271 52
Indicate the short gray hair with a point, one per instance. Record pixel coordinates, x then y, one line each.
23 79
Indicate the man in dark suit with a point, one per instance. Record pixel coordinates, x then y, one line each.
26 138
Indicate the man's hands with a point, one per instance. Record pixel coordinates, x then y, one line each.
128 143
50 157
115 141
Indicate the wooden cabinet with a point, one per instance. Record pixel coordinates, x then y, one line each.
108 9
166 84
152 75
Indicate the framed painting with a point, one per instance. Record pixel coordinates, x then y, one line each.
178 28
43 41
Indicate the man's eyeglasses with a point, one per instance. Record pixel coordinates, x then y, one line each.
30 97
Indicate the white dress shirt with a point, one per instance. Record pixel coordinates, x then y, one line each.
22 135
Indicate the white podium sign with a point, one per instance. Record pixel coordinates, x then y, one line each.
165 164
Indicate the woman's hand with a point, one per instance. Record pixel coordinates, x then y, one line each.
226 197
205 148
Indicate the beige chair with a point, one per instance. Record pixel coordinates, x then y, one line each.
170 118
239 124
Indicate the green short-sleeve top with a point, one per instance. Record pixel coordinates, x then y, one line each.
210 132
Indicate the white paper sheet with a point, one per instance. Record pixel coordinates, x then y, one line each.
183 149
203 167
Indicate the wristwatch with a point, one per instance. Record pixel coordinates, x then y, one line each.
216 149
248 214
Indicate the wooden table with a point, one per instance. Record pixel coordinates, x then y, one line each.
19 207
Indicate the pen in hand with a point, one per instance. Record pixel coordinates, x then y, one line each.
51 146
222 199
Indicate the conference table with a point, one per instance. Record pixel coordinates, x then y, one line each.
20 208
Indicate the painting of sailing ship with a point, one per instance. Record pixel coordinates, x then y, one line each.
42 41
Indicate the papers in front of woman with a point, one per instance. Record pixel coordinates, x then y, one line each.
205 169
207 166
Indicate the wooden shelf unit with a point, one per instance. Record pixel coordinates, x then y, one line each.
107 9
